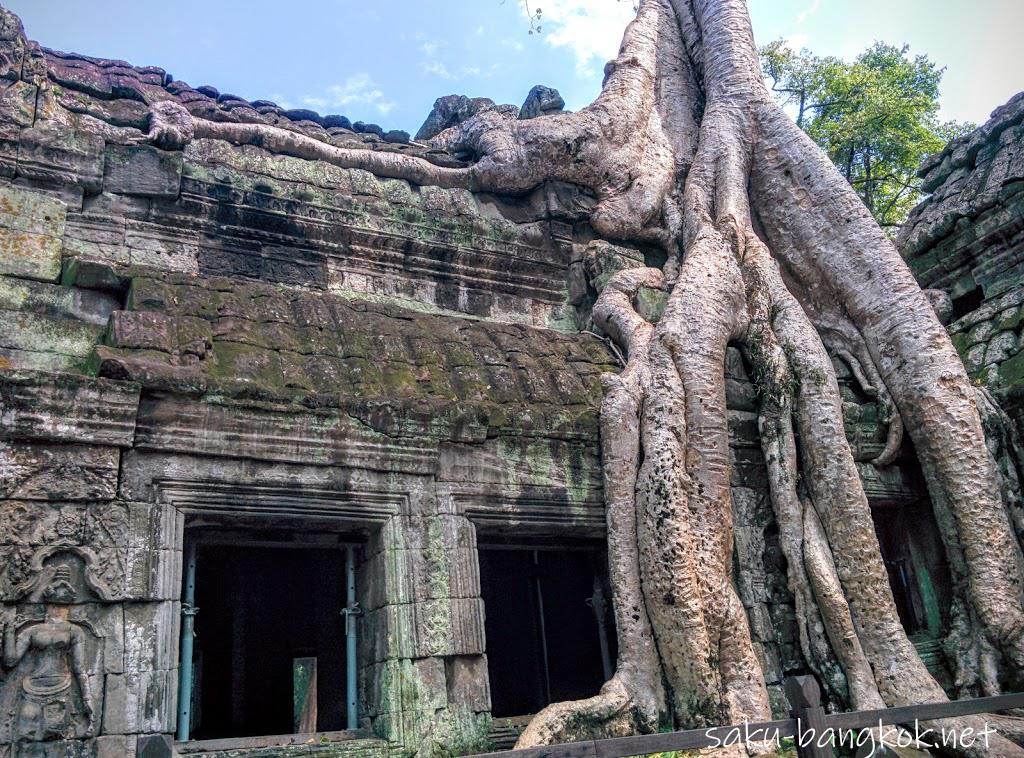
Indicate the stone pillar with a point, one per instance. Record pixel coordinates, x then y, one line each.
423 670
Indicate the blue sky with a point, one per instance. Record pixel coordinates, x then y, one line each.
387 60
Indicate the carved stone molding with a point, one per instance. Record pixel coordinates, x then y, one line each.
274 501
537 513
64 574
76 409
174 424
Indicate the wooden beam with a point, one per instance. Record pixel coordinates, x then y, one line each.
304 694
805 701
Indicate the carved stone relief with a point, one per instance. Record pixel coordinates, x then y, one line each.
30 532
51 652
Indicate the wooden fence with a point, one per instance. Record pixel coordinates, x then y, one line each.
810 728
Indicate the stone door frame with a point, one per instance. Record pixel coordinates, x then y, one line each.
286 506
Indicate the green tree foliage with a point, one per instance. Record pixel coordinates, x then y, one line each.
877 117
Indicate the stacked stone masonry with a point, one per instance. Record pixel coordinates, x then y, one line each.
225 336
967 238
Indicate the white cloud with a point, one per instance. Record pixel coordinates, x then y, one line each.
357 91
797 41
591 29
437 69
810 10
429 49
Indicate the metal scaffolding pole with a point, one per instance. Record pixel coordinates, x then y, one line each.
188 616
350 611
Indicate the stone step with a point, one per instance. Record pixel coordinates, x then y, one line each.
505 731
326 745
934 659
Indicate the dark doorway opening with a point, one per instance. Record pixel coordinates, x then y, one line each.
549 626
915 561
968 302
268 613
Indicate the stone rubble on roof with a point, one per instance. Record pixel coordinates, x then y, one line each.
119 93
541 101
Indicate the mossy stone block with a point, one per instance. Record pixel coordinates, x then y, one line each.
31 232
35 332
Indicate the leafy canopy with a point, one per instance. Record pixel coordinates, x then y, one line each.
876 118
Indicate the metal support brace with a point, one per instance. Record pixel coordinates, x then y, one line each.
350 612
188 617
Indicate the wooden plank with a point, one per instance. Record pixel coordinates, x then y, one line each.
304 694
924 712
694 739
690 739
771 730
804 697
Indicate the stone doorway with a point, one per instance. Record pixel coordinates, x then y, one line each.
916 563
270 646
549 630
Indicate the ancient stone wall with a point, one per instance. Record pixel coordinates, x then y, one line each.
241 338
967 238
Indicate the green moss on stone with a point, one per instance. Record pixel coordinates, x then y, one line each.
35 332
1011 372
960 342
1010 321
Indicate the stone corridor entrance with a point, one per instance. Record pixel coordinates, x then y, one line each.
915 561
550 634
270 647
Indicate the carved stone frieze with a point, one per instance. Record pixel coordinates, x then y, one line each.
52 651
32 471
93 540
75 571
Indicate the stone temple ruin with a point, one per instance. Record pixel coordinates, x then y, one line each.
344 428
